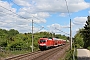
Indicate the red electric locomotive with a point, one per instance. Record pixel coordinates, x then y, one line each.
45 43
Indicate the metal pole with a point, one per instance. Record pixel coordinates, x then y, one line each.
32 35
70 36
52 34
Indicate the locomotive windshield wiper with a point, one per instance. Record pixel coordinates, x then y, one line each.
42 41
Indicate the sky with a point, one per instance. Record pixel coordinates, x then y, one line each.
47 15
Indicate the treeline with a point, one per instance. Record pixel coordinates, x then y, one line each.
13 39
82 38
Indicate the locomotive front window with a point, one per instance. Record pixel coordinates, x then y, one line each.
42 41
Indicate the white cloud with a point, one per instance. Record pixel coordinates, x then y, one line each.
22 2
80 20
57 27
7 6
60 5
21 20
53 6
63 15
43 14
54 26
78 23
89 12
38 10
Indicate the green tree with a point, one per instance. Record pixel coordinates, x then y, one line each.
78 39
3 36
86 33
13 32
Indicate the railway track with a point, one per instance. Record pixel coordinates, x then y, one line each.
41 55
19 57
53 54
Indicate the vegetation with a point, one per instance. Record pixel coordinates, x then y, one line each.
70 56
78 39
88 48
86 33
82 38
13 41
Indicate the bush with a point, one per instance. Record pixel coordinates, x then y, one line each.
88 48
3 44
77 46
69 55
17 45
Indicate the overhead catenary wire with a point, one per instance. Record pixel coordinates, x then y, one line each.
68 9
28 13
62 31
17 14
13 12
70 25
25 11
33 17
14 3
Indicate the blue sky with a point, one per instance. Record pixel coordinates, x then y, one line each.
48 15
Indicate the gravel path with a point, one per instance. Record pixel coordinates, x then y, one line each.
83 54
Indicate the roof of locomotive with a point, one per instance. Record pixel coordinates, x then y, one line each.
43 38
46 38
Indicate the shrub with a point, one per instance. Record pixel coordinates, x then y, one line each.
77 45
88 48
3 44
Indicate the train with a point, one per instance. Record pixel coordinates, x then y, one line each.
46 43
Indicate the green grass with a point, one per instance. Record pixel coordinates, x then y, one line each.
19 52
69 55
12 53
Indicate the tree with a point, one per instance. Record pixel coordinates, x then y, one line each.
86 33
78 39
12 33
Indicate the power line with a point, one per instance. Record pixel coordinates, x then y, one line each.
13 12
20 6
28 13
37 24
6 13
15 3
18 15
68 9
70 26
62 31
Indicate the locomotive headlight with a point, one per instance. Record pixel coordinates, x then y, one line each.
42 44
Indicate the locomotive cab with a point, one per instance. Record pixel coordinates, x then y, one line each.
45 43
42 43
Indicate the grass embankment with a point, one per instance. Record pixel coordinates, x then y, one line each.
7 53
11 53
70 55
